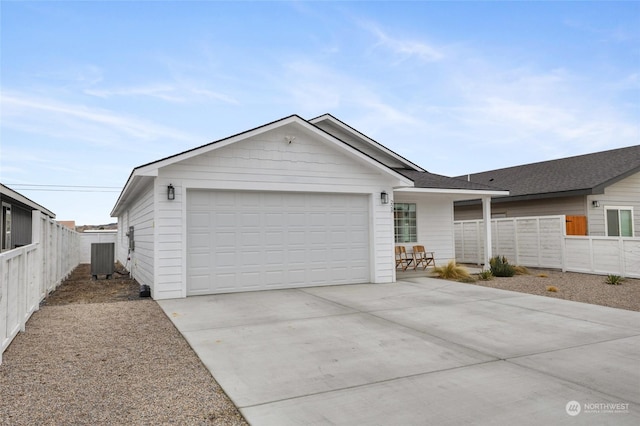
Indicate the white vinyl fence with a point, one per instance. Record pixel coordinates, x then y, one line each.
28 274
88 238
541 242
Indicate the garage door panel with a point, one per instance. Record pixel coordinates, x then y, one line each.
297 256
200 260
253 238
274 279
222 259
274 219
359 236
249 240
225 240
199 240
274 257
223 220
296 237
318 237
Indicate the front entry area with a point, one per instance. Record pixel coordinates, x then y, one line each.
245 241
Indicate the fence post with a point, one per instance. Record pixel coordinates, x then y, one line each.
563 244
623 271
36 238
478 243
22 289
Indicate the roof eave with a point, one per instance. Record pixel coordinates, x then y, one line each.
529 197
151 169
24 200
453 191
367 139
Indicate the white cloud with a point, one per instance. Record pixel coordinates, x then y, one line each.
55 118
181 93
405 48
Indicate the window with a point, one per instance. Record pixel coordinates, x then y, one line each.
5 220
404 223
619 221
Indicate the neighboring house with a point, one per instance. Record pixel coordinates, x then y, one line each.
599 193
292 203
71 224
16 218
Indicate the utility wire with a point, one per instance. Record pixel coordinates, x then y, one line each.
64 188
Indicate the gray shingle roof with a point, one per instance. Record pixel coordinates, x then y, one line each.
431 180
579 175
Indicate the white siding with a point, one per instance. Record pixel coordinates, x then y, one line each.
434 217
122 241
141 217
266 162
623 193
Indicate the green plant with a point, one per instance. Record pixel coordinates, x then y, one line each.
451 271
485 275
614 279
500 267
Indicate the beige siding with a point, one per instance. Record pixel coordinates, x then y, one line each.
266 162
569 206
624 193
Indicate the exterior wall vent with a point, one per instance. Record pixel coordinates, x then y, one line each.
102 259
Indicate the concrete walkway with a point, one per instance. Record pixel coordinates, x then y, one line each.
420 351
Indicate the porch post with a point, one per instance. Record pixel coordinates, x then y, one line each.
486 217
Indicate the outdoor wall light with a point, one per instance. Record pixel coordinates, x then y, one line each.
595 203
171 192
384 197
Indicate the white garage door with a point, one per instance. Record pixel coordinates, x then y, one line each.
245 241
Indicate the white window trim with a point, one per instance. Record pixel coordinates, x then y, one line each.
618 208
416 223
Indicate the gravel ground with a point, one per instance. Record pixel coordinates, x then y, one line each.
95 353
572 286
106 356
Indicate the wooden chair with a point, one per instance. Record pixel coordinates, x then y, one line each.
402 259
422 257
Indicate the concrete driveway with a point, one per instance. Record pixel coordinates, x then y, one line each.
421 351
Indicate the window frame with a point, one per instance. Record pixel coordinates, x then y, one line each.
617 209
412 225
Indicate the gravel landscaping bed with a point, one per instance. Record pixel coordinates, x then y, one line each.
585 288
102 355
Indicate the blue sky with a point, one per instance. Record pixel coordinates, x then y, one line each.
90 90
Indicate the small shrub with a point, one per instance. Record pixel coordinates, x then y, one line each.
500 267
485 275
451 271
521 270
552 288
614 279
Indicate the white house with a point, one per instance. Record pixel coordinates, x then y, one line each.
293 203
